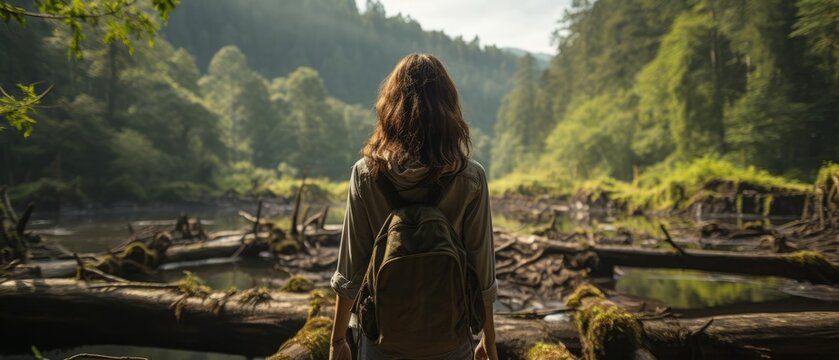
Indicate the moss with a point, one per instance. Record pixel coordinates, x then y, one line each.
255 296
319 298
827 183
192 285
808 257
286 246
607 331
767 204
584 290
314 336
140 253
545 351
661 188
298 283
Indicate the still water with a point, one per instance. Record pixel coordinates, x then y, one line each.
681 290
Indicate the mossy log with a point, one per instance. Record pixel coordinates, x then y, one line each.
606 330
226 244
53 313
807 265
312 341
801 335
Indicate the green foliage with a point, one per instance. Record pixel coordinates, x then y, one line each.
640 86
120 20
665 187
516 133
351 51
817 23
677 187
16 110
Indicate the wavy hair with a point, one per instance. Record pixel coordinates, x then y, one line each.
419 119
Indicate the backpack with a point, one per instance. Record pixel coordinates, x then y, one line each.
419 296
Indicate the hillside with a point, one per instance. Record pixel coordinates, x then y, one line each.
352 51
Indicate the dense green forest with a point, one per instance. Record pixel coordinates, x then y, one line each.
274 98
651 84
248 95
352 51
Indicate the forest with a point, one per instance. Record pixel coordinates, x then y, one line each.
225 110
174 175
648 84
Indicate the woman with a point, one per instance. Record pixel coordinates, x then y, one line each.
420 138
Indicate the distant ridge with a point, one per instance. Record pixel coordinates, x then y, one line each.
542 59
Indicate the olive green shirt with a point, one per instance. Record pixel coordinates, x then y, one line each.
465 203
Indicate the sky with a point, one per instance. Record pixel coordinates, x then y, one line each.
524 24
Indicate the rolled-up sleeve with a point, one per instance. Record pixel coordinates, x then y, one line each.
477 233
356 243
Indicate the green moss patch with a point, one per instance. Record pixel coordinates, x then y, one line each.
314 336
255 296
298 283
808 257
546 351
584 290
607 331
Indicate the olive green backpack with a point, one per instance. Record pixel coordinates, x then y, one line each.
419 296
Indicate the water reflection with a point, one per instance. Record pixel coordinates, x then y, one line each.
686 289
241 275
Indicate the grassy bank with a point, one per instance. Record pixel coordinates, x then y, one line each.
659 189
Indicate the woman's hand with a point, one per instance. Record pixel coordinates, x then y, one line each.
486 350
340 350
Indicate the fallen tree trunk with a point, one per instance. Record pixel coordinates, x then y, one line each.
805 335
61 313
804 265
52 313
226 245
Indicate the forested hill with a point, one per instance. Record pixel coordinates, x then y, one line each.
351 51
642 85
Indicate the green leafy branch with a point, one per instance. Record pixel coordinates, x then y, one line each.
16 109
122 20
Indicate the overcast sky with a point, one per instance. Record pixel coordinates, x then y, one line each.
524 24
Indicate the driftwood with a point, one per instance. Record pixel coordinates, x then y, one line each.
798 266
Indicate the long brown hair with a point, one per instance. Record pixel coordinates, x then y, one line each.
419 118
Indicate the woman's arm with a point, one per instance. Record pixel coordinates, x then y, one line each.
480 248
488 341
340 349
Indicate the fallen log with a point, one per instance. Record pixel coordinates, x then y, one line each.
53 313
806 335
226 244
804 265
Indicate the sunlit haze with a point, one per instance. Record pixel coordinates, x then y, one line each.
524 24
